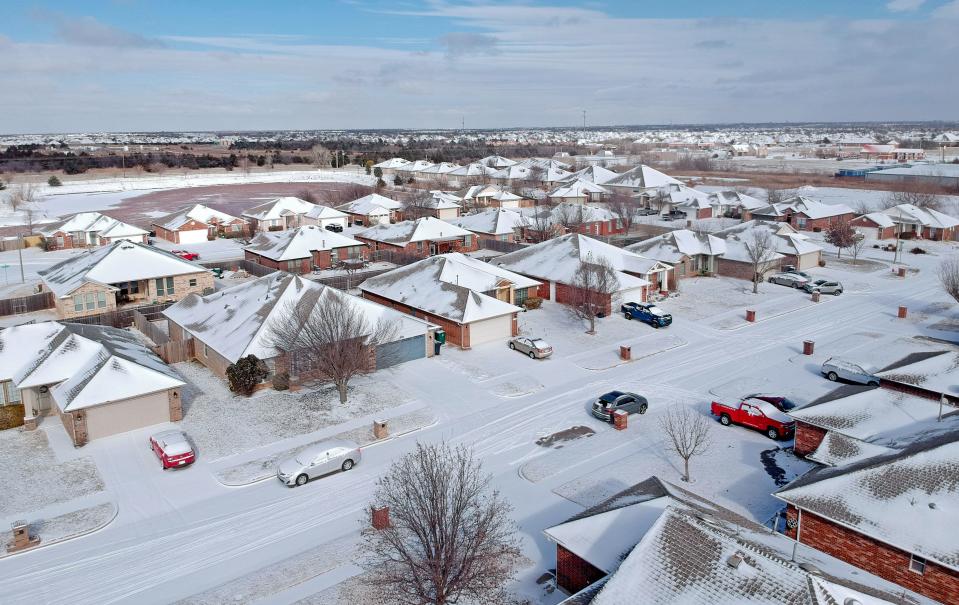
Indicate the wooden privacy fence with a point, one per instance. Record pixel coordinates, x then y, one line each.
500 245
175 351
123 318
240 264
27 304
152 331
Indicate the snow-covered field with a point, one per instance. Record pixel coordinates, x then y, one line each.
264 542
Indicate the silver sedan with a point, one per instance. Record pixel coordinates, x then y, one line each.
318 460
835 369
536 348
788 279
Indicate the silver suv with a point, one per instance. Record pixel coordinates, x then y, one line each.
835 368
824 286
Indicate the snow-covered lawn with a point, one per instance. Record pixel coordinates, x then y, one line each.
66 526
32 477
222 423
555 324
707 297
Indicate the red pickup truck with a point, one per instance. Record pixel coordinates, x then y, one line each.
756 414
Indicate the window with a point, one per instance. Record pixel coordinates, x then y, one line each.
800 222
206 351
193 282
78 302
101 299
335 254
467 240
169 286
59 241
159 284
13 393
291 265
917 565
419 246
519 296
235 228
91 301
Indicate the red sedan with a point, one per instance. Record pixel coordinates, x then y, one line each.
185 254
173 449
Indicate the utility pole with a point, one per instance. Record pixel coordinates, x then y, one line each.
20 254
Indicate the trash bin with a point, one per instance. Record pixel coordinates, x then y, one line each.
437 345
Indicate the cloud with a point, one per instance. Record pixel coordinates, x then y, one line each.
468 43
88 31
904 6
950 10
713 44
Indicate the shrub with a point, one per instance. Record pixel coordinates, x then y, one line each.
533 302
11 416
917 250
53 181
245 374
281 381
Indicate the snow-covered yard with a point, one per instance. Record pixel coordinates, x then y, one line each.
32 477
223 423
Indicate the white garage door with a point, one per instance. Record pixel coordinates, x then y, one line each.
808 261
196 236
630 295
489 330
122 416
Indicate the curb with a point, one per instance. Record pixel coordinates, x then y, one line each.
116 511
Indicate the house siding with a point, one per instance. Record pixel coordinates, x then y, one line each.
808 438
573 574
456 333
878 558
740 270
817 224
415 249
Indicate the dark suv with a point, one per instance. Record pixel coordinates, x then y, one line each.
631 403
674 215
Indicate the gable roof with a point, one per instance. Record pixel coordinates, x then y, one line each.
496 221
903 499
236 322
299 243
938 373
199 213
119 262
786 240
673 246
319 212
558 260
927 217
641 176
422 229
472 169
497 161
451 285
278 208
800 204
880 219
593 174
576 188
90 365
392 163
371 205
687 197
736 199
92 222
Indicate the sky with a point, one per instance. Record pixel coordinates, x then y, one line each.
183 65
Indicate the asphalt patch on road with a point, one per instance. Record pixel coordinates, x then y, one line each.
556 440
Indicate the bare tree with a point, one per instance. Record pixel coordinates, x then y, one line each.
761 250
308 196
857 246
21 195
841 235
320 156
949 276
245 164
572 217
624 208
344 192
775 195
326 334
450 537
420 204
592 285
539 221
688 433
919 196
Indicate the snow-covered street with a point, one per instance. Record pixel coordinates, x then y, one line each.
181 533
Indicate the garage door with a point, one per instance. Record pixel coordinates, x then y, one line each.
489 330
392 353
122 416
630 295
808 261
196 236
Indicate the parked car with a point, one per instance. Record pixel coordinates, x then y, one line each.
318 460
674 215
756 414
631 403
835 368
334 228
172 448
788 279
186 254
646 313
793 269
646 212
536 348
824 286
784 404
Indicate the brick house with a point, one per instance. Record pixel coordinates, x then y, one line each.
390 166
101 280
657 543
236 322
791 248
326 218
913 222
687 252
98 380
641 180
676 196
372 209
875 225
89 229
473 301
555 262
578 191
734 204
303 250
804 214
490 196
546 221
593 174
496 223
892 514
199 224
425 236
278 214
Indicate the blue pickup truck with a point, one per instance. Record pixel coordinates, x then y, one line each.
647 313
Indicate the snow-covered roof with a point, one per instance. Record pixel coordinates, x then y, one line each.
199 213
392 163
415 166
497 161
441 200
593 174
300 243
939 373
423 229
496 221
90 365
837 449
545 163
373 204
565 214
879 219
278 208
905 499
451 285
473 169
736 199
927 217
495 192
119 262
683 196
787 240
804 205
92 222
641 176
440 168
577 188
16 341
236 322
321 213
558 260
